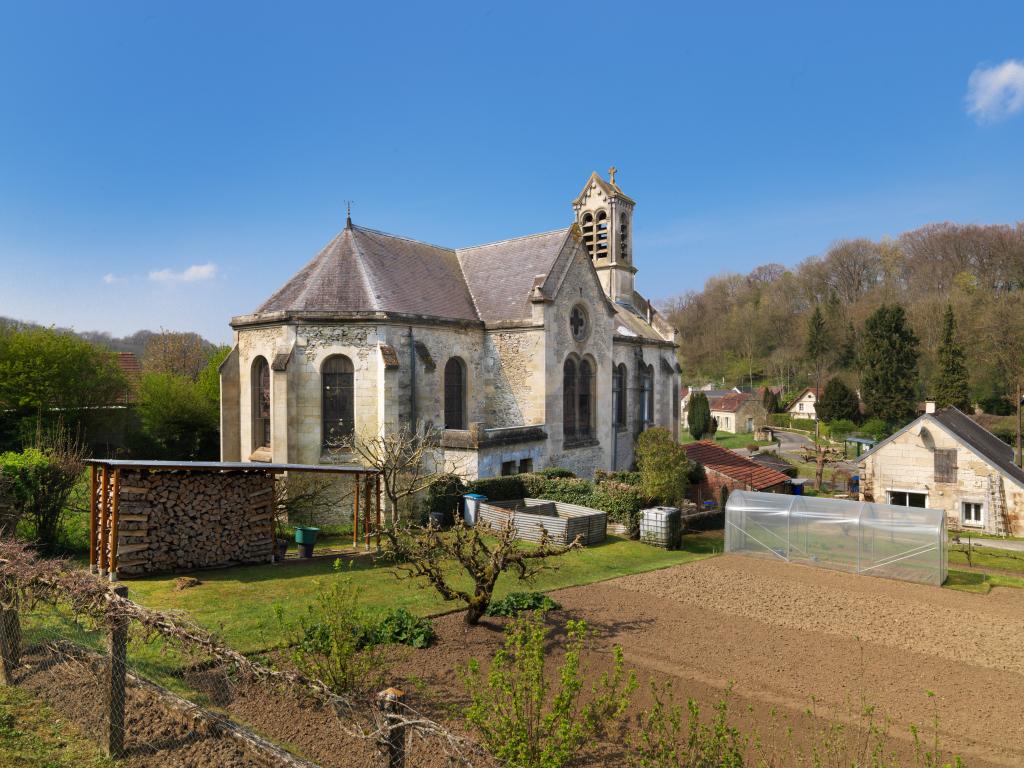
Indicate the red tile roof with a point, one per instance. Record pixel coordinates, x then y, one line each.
729 463
731 402
129 364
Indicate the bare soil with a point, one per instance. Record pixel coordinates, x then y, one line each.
784 638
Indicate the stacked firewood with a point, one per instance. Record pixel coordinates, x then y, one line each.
177 521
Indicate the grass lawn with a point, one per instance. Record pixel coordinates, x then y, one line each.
239 603
987 557
726 439
33 735
982 583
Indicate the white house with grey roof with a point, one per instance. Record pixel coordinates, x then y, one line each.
525 353
946 460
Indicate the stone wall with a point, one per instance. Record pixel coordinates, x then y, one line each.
177 521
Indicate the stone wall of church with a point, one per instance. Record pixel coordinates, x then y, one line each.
513 366
579 287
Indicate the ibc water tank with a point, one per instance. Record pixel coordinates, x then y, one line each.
661 527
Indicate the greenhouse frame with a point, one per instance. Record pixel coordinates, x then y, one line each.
906 543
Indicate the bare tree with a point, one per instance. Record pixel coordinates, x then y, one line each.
482 552
407 462
183 354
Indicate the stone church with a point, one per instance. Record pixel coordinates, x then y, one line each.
528 353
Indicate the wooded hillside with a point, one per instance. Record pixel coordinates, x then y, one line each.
753 327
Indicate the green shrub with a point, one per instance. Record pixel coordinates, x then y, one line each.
515 603
556 472
399 627
498 488
841 428
780 420
625 478
876 429
443 495
528 719
807 425
663 466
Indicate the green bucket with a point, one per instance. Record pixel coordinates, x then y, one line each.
305 537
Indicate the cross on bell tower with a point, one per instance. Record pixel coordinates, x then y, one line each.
604 214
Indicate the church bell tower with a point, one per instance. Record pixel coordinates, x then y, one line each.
605 217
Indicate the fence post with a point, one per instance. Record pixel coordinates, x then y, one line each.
116 690
393 740
10 637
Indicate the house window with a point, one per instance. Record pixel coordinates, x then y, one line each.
972 513
945 465
800 407
908 499
584 416
508 468
525 465
619 395
646 395
569 398
337 383
455 394
260 403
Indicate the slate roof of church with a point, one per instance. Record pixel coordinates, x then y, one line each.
501 275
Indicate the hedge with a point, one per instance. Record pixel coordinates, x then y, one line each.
622 502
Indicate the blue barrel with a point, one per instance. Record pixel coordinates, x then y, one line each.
798 487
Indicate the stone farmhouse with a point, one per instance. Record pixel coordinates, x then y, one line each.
739 412
524 353
945 460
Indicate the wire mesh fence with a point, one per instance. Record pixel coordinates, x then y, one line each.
152 689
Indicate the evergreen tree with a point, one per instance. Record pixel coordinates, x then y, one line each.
952 385
837 402
698 415
770 401
846 352
888 361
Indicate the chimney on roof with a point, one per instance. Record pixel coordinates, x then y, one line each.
929 406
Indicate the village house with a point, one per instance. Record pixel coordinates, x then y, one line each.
525 353
802 406
945 460
738 412
725 471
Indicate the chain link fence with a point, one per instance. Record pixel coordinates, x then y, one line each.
153 689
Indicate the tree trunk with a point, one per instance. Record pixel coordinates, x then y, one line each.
819 468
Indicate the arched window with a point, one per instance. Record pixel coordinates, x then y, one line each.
619 395
455 394
569 398
601 235
623 238
646 395
585 399
587 227
260 403
338 395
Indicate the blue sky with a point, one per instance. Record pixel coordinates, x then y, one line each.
171 164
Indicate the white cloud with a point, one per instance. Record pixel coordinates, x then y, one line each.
110 278
996 92
193 274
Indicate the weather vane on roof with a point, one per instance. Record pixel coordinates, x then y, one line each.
348 214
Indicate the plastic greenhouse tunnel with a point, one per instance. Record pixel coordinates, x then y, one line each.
907 543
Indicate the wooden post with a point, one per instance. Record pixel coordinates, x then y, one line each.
105 488
368 526
115 502
93 566
377 500
355 514
10 637
116 691
393 738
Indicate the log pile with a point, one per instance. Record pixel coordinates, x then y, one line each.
179 521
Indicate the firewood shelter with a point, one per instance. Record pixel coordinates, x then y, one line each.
162 516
